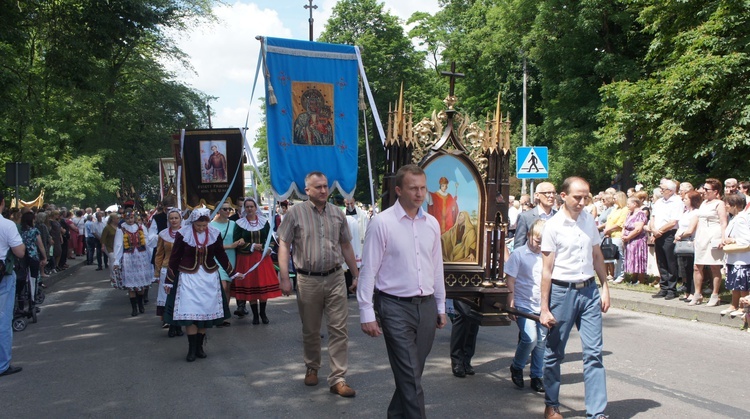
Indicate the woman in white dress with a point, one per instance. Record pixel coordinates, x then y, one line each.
712 221
161 263
196 298
131 266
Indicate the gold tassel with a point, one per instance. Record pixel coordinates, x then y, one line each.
271 95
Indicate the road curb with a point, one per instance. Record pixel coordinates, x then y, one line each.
642 302
59 276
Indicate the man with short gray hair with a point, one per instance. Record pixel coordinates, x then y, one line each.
731 186
665 215
545 196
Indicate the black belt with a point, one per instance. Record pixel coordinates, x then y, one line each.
413 300
576 285
325 273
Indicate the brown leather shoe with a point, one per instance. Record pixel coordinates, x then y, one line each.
552 412
311 377
343 390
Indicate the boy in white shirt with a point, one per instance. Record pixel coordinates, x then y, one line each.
524 276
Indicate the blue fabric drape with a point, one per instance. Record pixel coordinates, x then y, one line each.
313 125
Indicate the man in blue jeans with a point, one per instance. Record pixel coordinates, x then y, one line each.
9 240
570 256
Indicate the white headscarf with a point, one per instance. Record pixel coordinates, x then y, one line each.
245 224
187 230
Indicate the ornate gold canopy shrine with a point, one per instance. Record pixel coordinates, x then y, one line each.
467 167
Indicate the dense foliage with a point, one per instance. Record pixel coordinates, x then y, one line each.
620 90
84 96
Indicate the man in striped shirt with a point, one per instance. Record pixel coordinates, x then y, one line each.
319 234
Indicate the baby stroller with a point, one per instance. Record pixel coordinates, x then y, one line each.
28 295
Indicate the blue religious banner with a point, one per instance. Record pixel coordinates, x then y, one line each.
311 114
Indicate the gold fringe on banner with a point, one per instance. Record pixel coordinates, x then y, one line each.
38 202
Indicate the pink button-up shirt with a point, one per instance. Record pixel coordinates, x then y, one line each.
402 256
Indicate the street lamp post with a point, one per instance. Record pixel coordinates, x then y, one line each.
311 20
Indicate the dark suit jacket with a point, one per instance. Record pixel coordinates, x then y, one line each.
525 221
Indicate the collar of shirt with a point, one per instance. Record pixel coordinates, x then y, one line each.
315 208
401 212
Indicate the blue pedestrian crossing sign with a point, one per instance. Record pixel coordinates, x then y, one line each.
531 163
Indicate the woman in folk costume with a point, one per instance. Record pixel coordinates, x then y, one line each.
195 297
161 264
262 283
132 261
226 228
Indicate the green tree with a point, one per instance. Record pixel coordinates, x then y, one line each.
84 78
688 114
389 58
78 180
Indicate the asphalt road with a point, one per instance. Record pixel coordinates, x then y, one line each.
87 358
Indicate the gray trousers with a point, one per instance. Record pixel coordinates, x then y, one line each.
409 330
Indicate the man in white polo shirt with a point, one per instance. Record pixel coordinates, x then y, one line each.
570 256
9 240
665 215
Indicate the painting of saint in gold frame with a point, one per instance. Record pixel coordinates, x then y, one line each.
213 161
454 199
313 114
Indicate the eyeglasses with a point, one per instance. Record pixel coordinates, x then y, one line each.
226 209
550 193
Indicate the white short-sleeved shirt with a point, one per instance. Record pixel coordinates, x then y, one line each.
526 267
9 236
667 210
573 243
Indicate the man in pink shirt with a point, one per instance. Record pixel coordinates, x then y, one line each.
402 259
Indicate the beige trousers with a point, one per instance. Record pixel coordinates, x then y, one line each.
318 295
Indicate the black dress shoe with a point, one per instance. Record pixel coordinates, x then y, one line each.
660 294
459 371
469 369
670 296
537 385
516 376
11 370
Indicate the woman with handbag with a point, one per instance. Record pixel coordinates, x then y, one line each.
684 242
736 245
712 221
634 238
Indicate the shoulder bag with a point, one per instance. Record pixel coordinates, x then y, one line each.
684 248
609 249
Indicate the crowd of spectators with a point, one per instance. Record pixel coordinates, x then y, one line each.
56 235
688 241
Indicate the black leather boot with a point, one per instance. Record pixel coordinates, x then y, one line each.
134 304
191 348
254 308
201 337
172 331
263 316
139 299
240 312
